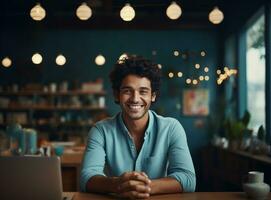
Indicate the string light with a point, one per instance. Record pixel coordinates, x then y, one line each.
201 78
123 56
176 53
188 81
202 53
206 78
227 74
179 74
170 74
197 66
195 81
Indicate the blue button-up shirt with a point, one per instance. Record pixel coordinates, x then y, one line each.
111 151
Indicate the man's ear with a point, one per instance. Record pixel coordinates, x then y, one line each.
153 97
116 96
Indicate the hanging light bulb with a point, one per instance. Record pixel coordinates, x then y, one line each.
127 13
174 11
216 16
83 12
37 13
6 62
36 58
123 56
60 60
100 60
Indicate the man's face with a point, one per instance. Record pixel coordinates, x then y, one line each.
135 97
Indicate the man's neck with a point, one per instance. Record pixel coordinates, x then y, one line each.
137 127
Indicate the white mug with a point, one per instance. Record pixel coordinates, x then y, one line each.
255 177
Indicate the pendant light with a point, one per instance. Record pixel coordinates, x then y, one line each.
216 16
100 60
127 13
60 60
173 11
37 58
6 62
37 13
83 12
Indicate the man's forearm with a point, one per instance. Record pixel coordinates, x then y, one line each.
102 184
165 185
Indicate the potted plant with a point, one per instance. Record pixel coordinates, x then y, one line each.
235 130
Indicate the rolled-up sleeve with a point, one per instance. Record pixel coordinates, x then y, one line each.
180 162
94 158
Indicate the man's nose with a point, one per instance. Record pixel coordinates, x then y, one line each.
135 96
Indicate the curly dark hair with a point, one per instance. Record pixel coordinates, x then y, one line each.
139 66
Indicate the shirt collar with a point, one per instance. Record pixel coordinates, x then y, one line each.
125 130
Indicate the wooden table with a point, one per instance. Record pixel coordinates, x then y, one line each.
183 196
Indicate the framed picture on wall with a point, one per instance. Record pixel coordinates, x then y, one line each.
196 102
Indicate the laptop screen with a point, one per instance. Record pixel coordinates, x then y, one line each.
30 177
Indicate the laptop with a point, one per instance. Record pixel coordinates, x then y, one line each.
31 177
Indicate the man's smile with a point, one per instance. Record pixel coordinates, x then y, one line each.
134 106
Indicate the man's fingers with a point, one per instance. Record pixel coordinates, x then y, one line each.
127 175
134 186
139 176
144 174
135 195
143 178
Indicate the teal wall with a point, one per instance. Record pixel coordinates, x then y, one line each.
81 47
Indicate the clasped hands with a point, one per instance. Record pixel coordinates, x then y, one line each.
134 185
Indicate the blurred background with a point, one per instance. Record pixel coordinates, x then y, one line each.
214 55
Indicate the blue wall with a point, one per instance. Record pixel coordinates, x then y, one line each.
81 47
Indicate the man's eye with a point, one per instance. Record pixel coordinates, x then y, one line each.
143 92
126 91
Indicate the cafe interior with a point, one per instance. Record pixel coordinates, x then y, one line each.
215 61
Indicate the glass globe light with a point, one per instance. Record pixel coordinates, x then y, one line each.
60 60
216 16
100 60
127 13
83 12
37 13
173 11
36 58
6 62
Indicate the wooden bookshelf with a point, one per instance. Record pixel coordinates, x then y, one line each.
62 111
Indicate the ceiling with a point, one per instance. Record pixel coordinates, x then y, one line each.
149 13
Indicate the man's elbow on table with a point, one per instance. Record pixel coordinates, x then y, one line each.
187 181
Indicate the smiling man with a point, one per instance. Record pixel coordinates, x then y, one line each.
137 152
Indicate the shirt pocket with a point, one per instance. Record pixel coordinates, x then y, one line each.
154 167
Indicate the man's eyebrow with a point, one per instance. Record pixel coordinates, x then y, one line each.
125 87
144 88
129 87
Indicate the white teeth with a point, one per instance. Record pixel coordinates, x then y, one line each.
134 106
